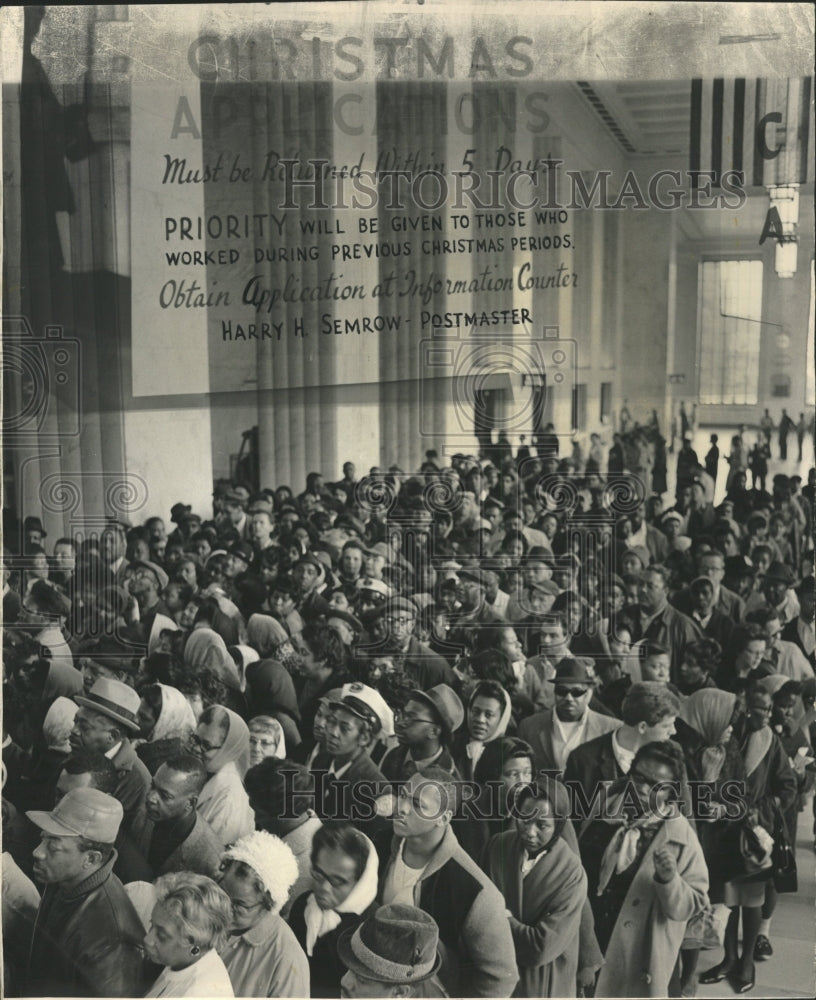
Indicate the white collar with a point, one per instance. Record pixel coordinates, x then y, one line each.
338 773
110 754
623 756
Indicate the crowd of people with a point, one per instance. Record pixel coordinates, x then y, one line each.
476 730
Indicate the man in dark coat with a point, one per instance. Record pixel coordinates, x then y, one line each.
424 667
649 712
656 620
105 717
87 935
348 780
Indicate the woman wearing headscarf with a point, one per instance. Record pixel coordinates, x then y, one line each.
41 771
646 872
270 689
167 722
770 785
206 650
711 714
221 740
544 887
505 763
266 739
489 712
344 873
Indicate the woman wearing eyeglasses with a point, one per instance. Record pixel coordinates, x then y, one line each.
266 739
221 740
261 954
646 872
344 874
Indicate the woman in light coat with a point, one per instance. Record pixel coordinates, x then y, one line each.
544 887
647 875
222 741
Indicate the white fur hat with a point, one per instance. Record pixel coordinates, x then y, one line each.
271 859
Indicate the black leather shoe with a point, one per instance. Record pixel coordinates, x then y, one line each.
762 949
742 985
715 975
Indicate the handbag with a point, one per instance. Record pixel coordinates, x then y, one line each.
783 859
706 929
755 849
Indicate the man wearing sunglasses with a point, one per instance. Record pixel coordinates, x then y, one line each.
557 731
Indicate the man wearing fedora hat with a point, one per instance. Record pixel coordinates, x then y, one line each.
776 593
87 934
556 732
424 729
393 953
107 714
33 532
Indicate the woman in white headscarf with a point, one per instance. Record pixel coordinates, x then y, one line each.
205 649
266 739
221 740
166 722
344 872
489 712
43 768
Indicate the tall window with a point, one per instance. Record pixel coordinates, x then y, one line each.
730 330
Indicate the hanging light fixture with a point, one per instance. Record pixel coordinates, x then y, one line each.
785 199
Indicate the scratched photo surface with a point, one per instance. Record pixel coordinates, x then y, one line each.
248 244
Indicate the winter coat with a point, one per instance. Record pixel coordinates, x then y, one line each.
86 941
478 955
546 907
643 949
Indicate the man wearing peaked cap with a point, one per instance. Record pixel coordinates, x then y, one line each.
356 719
239 559
424 729
392 953
107 714
87 934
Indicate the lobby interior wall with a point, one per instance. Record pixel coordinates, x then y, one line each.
714 235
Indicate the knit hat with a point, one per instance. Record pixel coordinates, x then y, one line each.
272 861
